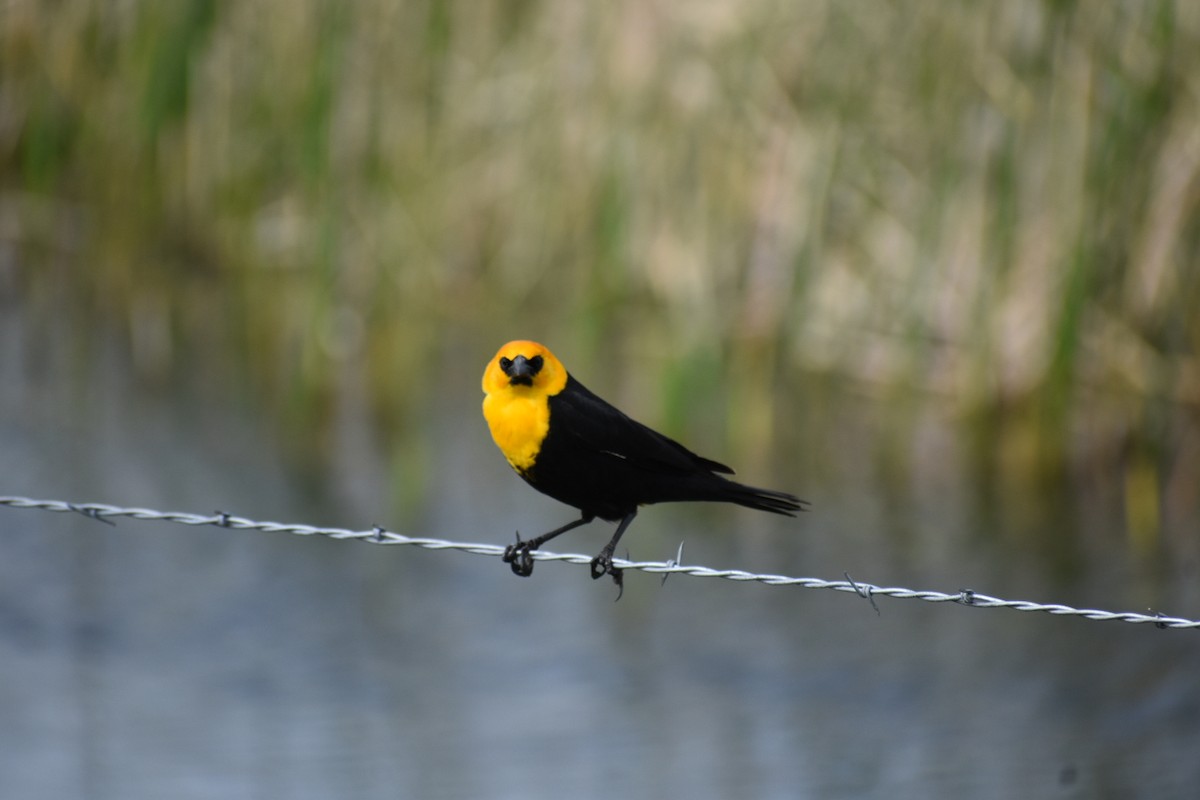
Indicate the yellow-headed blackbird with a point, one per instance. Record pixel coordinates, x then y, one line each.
568 443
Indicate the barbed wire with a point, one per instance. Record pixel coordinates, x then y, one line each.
102 512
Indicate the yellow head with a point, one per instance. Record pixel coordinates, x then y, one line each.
524 368
518 383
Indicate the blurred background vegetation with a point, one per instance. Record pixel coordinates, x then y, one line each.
721 209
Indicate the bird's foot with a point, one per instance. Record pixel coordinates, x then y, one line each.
601 565
519 556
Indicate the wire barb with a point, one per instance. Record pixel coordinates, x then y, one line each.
866 591
673 562
91 511
378 535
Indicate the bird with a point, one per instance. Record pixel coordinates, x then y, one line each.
570 444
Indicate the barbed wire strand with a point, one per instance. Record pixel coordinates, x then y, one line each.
102 512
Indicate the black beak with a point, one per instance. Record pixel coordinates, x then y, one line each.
522 371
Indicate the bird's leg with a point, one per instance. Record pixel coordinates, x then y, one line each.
518 555
602 563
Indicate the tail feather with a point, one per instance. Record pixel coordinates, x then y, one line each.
765 499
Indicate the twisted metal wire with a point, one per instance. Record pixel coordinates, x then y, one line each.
102 512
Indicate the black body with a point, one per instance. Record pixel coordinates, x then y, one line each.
605 464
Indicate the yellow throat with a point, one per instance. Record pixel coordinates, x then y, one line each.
518 415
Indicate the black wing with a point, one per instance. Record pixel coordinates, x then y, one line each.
590 423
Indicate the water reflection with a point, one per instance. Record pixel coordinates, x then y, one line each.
150 661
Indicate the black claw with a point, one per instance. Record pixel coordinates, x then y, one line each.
519 557
603 565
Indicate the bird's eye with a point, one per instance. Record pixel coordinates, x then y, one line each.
506 364
536 364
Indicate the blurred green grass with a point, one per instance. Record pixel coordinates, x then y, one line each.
992 205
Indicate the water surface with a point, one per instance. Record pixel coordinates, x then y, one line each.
148 660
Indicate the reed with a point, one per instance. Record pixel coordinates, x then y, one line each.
991 203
